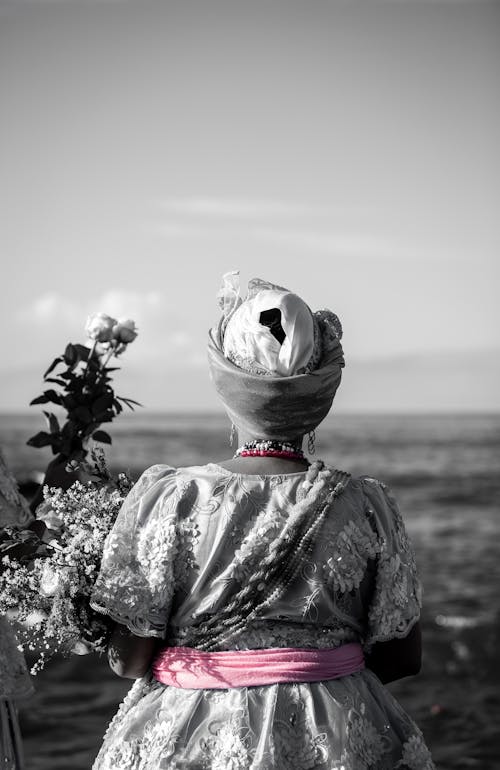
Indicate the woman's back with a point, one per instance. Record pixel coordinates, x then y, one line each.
265 588
358 584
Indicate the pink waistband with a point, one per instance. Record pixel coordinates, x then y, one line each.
194 669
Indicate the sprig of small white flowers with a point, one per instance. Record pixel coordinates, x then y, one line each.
49 595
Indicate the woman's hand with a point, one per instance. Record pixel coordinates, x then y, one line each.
130 656
397 658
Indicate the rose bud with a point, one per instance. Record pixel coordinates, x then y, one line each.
125 330
99 327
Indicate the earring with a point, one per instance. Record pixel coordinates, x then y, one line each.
311 442
232 434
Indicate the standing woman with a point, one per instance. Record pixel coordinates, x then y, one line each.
15 682
261 602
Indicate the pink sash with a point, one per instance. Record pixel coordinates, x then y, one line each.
194 669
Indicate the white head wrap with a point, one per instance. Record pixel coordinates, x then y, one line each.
303 373
251 344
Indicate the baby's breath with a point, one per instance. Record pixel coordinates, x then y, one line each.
49 594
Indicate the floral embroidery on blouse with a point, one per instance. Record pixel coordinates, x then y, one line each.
311 575
365 744
397 597
123 755
293 746
135 585
271 633
228 746
188 532
350 550
159 740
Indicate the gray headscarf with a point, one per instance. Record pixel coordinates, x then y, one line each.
277 407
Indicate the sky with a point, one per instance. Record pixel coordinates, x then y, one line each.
345 150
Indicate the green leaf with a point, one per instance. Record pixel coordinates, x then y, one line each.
53 422
56 381
40 439
102 403
106 416
102 436
68 430
82 414
71 355
83 352
53 395
39 400
129 402
53 365
94 365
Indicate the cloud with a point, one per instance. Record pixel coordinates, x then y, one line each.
234 208
52 307
51 320
48 307
120 303
334 242
316 228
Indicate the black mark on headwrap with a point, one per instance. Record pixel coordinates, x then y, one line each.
272 319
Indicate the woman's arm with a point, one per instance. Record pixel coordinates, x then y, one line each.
130 656
397 658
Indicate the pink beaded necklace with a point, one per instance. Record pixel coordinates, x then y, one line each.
270 448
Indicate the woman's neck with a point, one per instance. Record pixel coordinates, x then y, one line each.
262 464
266 466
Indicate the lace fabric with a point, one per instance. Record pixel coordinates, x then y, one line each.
136 583
397 598
176 549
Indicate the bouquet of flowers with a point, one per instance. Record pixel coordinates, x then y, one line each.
47 570
46 582
84 390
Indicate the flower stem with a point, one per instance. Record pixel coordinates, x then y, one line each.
91 353
110 353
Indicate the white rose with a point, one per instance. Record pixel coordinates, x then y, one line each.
99 327
49 582
125 330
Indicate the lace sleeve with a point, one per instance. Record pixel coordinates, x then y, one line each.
396 600
135 583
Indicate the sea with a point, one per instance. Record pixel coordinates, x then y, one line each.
445 473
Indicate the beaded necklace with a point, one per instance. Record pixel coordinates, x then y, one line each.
287 450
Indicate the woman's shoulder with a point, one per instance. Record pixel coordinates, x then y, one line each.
369 486
371 498
182 476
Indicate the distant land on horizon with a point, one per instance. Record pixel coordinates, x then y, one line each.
419 383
